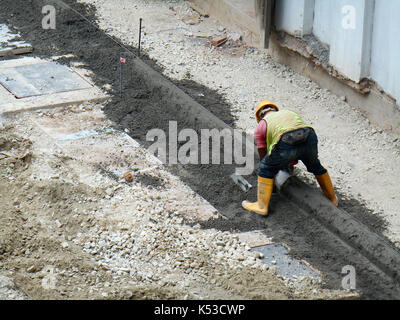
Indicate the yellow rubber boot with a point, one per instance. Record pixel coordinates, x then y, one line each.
325 183
264 193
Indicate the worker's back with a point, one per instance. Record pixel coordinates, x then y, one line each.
280 122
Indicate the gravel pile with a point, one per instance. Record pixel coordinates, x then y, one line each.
156 246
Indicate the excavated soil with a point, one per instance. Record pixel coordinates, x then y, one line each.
141 109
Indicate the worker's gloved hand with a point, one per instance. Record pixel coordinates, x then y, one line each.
292 164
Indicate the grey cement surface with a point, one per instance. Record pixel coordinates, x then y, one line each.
32 83
41 79
277 255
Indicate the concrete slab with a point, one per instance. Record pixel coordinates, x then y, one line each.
41 79
32 83
90 138
9 44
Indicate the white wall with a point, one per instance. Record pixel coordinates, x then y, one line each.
385 56
370 49
350 46
294 16
322 20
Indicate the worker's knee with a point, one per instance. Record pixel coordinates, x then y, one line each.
316 169
266 171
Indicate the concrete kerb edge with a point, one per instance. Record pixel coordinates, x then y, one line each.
353 232
378 250
55 105
192 110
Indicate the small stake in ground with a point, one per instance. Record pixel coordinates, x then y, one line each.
121 61
140 35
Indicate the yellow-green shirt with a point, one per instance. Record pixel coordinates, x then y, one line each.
279 123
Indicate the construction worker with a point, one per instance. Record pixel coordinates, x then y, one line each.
282 139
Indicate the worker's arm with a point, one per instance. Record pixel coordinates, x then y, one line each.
260 138
262 152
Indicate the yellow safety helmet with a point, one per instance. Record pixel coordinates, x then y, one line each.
263 104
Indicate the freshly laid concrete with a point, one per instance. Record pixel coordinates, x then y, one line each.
32 83
355 233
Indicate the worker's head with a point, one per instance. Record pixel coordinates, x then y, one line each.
263 108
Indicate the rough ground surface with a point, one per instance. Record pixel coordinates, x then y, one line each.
72 230
122 257
362 160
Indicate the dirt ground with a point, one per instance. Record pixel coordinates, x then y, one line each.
66 218
361 159
73 228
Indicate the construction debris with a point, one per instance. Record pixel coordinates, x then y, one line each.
198 35
194 19
9 44
217 42
128 177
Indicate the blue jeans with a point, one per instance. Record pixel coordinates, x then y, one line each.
283 154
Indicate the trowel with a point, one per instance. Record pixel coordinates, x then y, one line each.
280 180
241 182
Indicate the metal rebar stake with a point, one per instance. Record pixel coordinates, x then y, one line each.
120 77
140 35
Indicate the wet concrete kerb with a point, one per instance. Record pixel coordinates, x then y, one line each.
355 233
349 229
187 108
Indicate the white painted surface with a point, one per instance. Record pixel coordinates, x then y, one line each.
294 16
369 50
385 57
322 20
351 46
